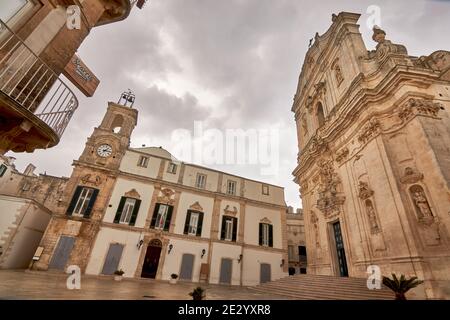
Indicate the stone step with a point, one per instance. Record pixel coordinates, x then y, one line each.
317 295
324 287
337 292
327 284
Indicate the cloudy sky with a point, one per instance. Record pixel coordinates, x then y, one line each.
228 64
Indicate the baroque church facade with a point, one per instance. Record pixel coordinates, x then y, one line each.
141 211
373 167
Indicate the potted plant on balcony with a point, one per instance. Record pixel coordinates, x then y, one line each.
401 286
118 275
198 293
173 278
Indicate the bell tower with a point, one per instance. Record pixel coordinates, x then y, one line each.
73 227
109 141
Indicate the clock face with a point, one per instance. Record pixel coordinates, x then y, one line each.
104 150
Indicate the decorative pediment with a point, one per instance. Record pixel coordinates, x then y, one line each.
166 196
364 192
265 220
196 207
411 176
230 212
89 179
132 194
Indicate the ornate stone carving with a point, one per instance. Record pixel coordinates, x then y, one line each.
337 72
133 194
341 155
316 144
384 46
230 212
370 130
315 223
418 106
329 201
411 176
166 196
86 179
372 216
364 191
196 206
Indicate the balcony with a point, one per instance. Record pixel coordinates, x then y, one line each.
35 105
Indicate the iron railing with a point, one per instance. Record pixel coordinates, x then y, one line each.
32 84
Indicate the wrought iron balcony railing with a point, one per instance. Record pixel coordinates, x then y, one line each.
32 84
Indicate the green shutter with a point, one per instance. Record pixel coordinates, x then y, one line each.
199 224
222 230
135 212
168 218
89 207
186 223
270 235
260 234
75 197
119 210
235 223
155 213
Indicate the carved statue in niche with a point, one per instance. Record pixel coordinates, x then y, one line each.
372 217
338 72
314 222
364 190
420 200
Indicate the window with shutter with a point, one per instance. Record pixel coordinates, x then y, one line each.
201 181
82 201
172 168
161 216
126 210
265 235
2 170
143 161
231 187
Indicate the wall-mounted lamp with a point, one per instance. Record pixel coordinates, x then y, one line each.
282 263
203 252
240 258
140 243
170 247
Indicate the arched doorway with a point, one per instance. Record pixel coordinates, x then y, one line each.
151 260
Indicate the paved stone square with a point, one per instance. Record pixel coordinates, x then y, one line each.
48 285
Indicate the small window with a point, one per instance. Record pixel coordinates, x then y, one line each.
143 161
172 168
127 210
201 181
26 186
2 170
231 187
265 189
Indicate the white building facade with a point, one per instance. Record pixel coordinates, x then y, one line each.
152 216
